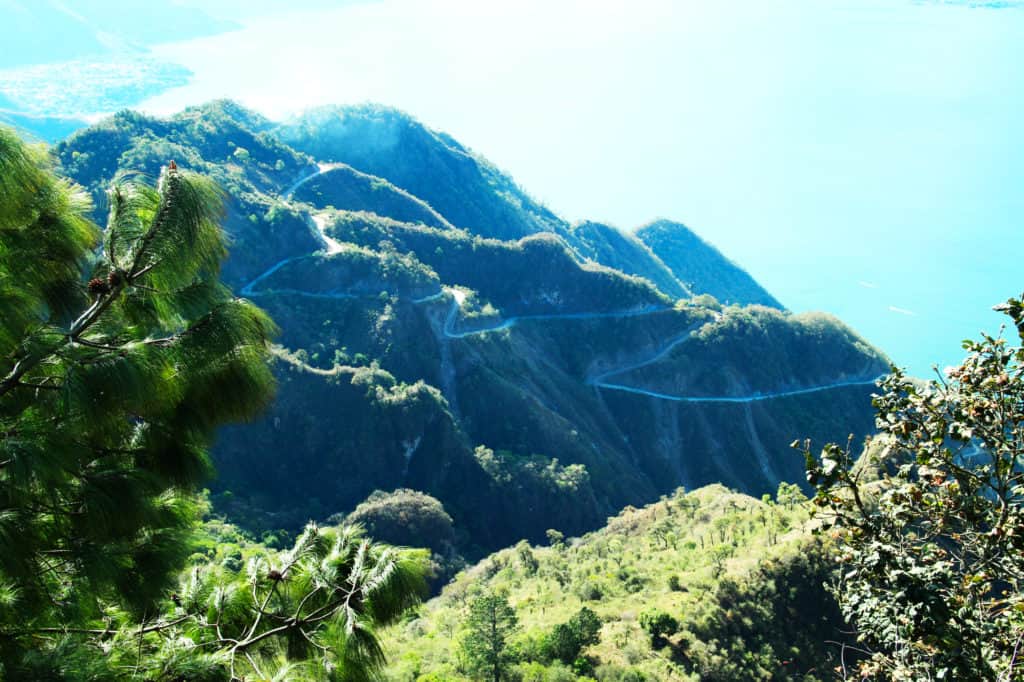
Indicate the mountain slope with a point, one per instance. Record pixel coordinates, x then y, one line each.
739 584
701 266
609 246
462 186
522 384
337 184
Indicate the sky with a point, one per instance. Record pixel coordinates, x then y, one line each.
860 157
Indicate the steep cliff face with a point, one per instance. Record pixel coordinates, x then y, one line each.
443 332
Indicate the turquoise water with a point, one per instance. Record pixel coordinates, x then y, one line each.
859 157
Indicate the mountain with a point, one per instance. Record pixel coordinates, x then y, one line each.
461 185
734 585
443 332
695 262
617 249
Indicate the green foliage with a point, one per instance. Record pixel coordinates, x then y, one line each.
659 625
410 518
758 611
321 602
778 622
568 640
705 301
489 624
405 517
526 558
204 139
310 613
790 495
110 392
538 672
538 488
932 549
506 466
555 538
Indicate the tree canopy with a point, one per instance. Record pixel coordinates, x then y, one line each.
117 366
121 352
490 623
930 523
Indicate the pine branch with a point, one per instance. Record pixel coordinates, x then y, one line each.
78 327
156 627
172 188
48 387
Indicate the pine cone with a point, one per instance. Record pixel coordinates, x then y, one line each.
172 166
114 278
98 286
274 574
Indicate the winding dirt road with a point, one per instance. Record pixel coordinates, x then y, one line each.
599 381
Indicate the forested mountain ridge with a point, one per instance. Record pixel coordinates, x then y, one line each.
443 332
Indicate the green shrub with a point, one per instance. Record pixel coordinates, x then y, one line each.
567 640
589 591
659 625
407 518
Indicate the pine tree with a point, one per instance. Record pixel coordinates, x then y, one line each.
491 621
117 366
120 354
310 613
